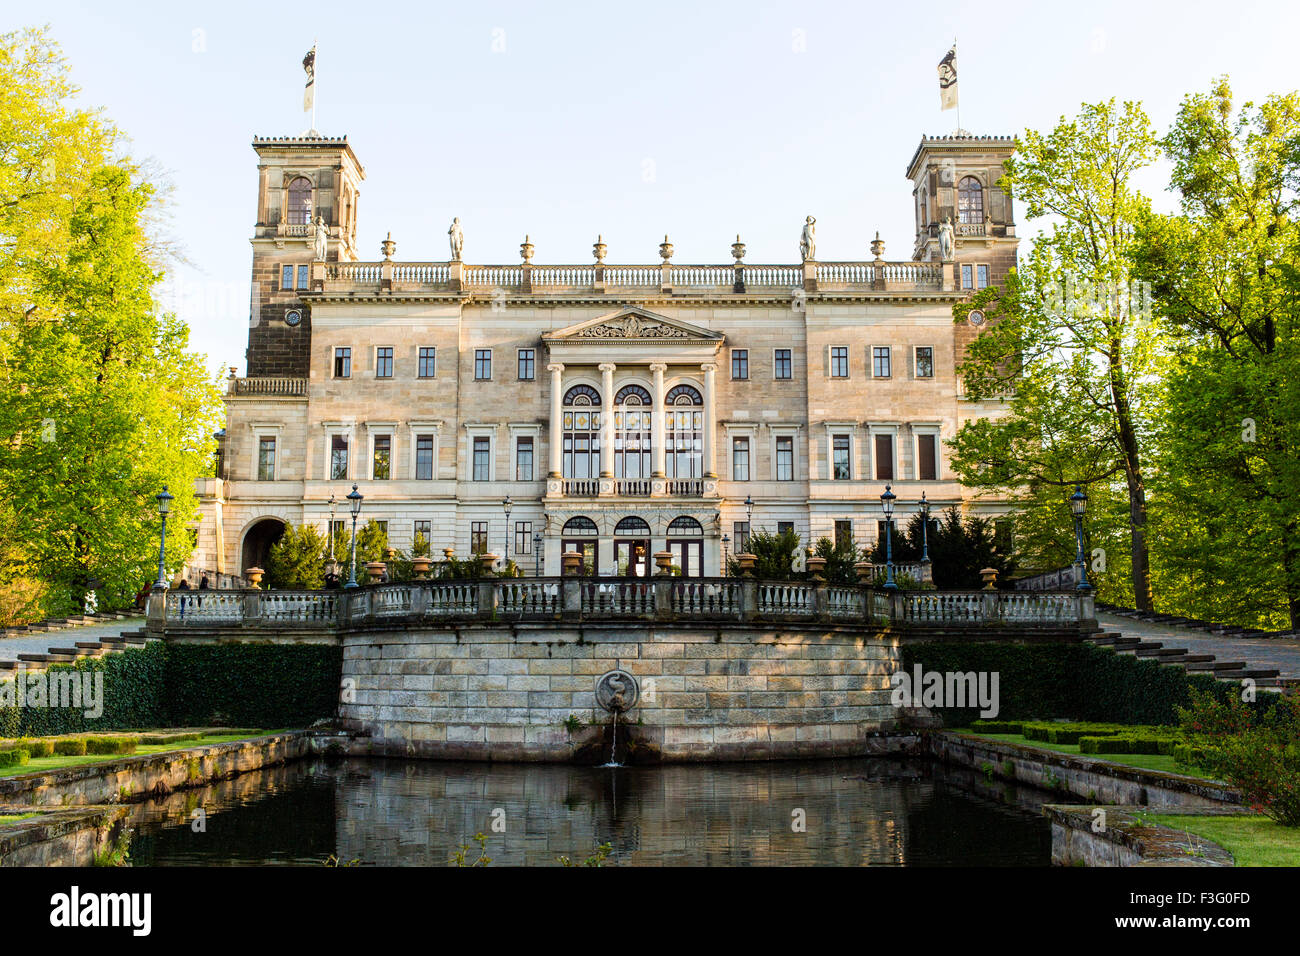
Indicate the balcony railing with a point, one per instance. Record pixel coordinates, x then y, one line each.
656 599
530 279
266 386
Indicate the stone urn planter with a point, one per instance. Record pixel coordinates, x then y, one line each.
571 563
747 562
866 572
254 576
488 560
420 567
376 570
816 568
990 578
663 563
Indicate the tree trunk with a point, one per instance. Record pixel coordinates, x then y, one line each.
1137 495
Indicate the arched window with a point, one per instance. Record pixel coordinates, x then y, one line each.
970 201
299 211
631 526
581 432
684 432
579 525
684 525
633 407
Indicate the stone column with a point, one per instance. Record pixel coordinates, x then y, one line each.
657 421
607 419
557 416
710 419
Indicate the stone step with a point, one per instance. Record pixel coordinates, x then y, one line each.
1217 666
1259 673
1171 653
1154 650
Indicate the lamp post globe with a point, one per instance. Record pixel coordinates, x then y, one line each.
1078 505
164 507
887 504
354 500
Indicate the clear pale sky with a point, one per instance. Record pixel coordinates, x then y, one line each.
563 120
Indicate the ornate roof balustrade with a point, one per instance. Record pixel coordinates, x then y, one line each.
657 599
413 278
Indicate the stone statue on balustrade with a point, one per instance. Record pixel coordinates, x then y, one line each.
808 241
945 239
321 235
457 239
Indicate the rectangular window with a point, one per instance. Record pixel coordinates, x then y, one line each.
884 457
924 361
839 361
424 457
740 459
482 364
740 363
524 459
981 277
421 529
339 458
783 364
840 458
527 365
384 362
286 278
383 457
783 526
428 361
342 363
967 281
302 277
478 537
785 458
740 536
1004 535
266 459
340 536
523 537
881 361
927 457
880 532
843 532
482 459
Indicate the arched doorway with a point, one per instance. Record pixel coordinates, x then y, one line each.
632 547
258 539
686 542
579 534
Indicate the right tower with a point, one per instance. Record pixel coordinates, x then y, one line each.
955 178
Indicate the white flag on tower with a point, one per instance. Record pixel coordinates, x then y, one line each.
948 80
309 91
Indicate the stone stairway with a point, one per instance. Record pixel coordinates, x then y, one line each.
85 637
1265 678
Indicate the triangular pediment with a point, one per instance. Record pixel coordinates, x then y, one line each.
634 324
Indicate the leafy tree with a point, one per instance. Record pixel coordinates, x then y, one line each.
101 402
1224 272
959 549
1068 348
297 559
841 556
372 545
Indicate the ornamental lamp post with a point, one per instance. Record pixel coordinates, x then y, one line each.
537 554
164 506
506 505
749 521
354 499
726 540
925 528
887 503
1078 505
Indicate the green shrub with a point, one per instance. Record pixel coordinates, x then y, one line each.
70 747
37 748
14 758
997 726
251 685
111 745
156 740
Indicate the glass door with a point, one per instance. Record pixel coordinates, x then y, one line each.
688 555
632 557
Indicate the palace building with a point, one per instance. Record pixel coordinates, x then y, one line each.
622 409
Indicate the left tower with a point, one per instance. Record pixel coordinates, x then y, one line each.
299 179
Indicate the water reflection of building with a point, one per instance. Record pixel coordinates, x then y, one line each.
625 410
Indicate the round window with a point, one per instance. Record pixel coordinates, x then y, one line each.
976 318
292 316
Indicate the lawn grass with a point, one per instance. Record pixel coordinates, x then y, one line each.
59 761
15 819
1253 840
1161 762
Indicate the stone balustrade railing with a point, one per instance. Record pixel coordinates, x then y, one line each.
1058 580
577 599
266 386
530 279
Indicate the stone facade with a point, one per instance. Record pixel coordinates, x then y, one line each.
720 692
805 388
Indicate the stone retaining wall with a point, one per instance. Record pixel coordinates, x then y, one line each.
1117 838
708 692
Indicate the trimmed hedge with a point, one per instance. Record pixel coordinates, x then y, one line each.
37 748
1078 681
998 726
111 745
14 758
1127 745
187 685
155 740
70 747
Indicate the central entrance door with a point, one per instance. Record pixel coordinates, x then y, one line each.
686 542
632 547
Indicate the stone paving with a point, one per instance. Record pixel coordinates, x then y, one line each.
11 647
1279 652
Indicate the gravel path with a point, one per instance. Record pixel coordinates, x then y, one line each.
11 647
1278 652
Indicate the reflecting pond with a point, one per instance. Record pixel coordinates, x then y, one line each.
871 811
